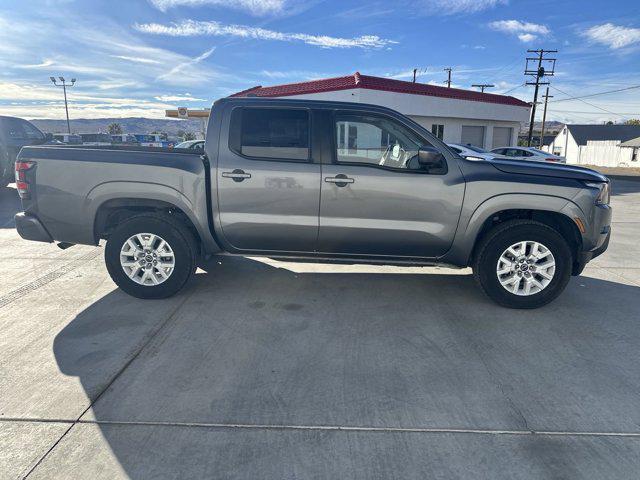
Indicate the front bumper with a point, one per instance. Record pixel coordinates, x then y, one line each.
30 228
596 240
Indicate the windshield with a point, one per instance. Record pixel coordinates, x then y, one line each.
539 151
476 149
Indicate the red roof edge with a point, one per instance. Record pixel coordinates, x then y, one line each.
243 93
357 80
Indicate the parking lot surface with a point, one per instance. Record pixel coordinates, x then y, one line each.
264 369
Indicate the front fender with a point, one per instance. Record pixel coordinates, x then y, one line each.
471 225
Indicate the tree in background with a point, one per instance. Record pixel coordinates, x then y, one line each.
633 121
163 135
114 129
189 136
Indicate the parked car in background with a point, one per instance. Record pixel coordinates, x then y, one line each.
274 181
471 152
68 138
96 139
191 145
123 139
528 153
151 140
15 133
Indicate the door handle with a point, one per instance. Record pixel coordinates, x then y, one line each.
339 180
238 175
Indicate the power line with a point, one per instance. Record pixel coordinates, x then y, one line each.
514 88
587 103
596 94
588 113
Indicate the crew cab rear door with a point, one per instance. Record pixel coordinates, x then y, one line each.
267 182
376 199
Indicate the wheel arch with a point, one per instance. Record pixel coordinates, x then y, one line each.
115 201
557 212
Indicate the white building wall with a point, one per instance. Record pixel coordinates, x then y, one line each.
565 146
426 110
604 154
601 153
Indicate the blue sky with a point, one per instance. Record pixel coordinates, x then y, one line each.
138 57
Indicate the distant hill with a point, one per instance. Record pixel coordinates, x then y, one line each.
549 126
129 125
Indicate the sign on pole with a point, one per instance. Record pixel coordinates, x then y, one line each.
183 112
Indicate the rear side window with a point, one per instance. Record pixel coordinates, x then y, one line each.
270 133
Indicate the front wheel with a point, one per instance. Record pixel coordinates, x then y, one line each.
150 256
523 264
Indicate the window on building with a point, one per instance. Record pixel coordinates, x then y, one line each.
634 155
270 133
438 130
375 140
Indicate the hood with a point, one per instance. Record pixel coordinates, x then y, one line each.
523 167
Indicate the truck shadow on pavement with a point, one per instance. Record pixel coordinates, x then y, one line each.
249 344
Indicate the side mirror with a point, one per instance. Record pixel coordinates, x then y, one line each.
429 158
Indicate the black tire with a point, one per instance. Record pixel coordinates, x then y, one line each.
503 236
176 234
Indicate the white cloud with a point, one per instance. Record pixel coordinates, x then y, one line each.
150 61
613 36
525 31
187 97
254 7
527 37
180 68
452 7
189 28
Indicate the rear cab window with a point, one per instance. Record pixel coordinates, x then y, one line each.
266 133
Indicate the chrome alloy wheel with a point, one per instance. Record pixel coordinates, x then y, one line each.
526 268
147 259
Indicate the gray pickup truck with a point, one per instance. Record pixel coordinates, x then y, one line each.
317 181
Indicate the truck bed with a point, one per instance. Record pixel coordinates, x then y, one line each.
74 182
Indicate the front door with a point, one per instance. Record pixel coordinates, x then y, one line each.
376 200
268 184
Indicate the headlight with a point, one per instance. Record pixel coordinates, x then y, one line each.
604 194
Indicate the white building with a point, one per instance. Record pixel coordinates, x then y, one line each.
454 115
600 145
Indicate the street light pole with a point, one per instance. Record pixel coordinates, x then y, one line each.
64 86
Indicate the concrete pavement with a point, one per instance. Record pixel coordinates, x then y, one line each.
264 369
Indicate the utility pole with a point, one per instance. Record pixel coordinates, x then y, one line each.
415 71
64 86
544 115
482 86
540 72
448 80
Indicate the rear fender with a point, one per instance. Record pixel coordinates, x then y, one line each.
143 191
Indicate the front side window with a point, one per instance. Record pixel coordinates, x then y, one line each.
276 133
374 140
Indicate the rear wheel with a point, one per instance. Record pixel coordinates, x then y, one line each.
523 264
150 256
